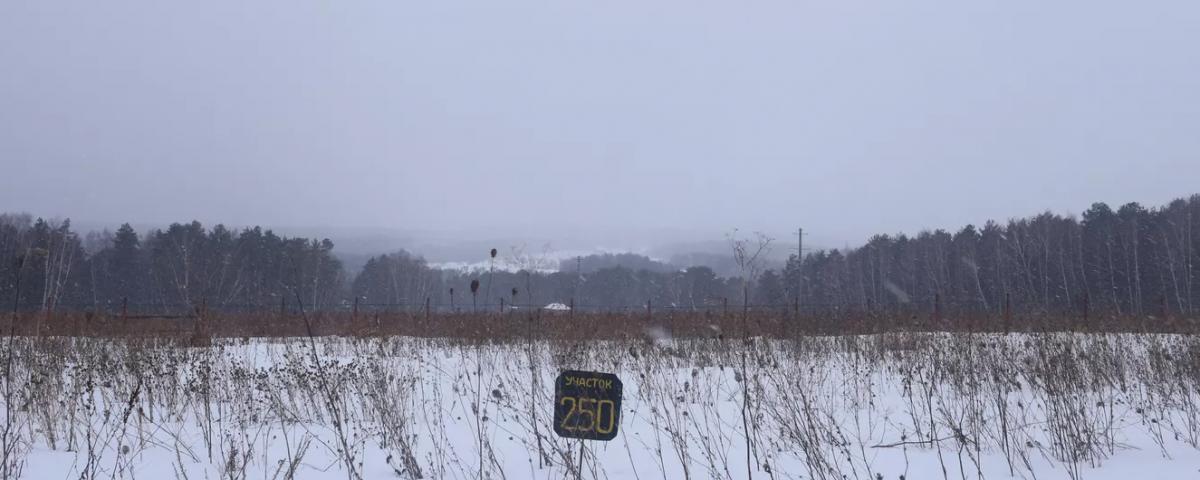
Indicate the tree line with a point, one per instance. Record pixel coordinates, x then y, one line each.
1128 261
187 265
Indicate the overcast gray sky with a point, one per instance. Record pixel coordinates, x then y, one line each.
846 117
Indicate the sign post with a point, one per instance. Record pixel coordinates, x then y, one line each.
587 405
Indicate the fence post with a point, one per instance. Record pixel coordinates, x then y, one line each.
937 310
501 304
202 316
47 311
1086 300
202 329
1166 311
1007 312
571 311
354 313
870 316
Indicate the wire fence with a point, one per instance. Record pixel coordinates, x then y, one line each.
712 317
427 306
199 324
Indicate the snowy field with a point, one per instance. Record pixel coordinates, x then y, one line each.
892 406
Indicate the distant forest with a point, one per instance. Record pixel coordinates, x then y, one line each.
1128 261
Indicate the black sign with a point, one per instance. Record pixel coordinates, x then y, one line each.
587 405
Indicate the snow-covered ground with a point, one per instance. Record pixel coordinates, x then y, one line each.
995 406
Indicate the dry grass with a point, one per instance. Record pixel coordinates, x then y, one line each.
517 325
963 395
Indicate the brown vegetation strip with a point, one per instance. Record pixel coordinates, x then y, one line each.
564 326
